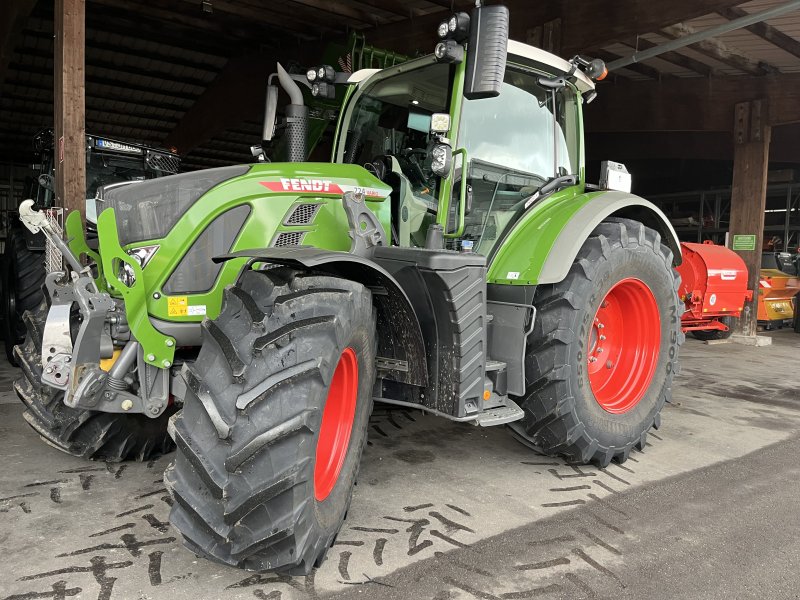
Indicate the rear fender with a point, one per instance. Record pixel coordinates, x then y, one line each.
530 255
400 341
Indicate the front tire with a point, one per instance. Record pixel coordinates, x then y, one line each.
23 276
274 423
111 437
604 347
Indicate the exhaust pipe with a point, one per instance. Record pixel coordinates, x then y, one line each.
296 118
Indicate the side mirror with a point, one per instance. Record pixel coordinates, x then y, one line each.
487 52
46 181
270 113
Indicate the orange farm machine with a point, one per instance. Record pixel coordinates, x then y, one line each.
776 293
713 288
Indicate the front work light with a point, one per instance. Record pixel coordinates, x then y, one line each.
458 27
441 158
449 51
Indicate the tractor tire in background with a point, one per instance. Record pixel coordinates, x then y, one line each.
23 276
716 334
274 421
604 347
110 437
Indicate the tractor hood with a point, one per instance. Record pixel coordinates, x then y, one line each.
174 226
149 210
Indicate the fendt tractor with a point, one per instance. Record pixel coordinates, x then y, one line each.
108 161
451 257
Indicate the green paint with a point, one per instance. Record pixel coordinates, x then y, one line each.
73 232
528 244
268 209
159 349
744 242
446 188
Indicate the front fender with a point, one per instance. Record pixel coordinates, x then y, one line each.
399 333
544 243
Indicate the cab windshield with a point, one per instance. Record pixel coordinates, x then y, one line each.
107 169
515 143
389 127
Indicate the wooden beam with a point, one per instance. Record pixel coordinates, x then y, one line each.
70 104
676 58
718 50
13 14
690 104
749 195
765 31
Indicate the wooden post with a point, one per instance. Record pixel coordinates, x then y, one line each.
69 104
749 197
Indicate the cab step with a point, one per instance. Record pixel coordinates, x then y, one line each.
499 415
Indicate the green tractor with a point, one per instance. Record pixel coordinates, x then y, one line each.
108 161
451 257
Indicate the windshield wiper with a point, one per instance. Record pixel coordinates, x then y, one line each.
548 187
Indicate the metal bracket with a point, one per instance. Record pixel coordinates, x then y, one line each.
56 339
36 221
366 231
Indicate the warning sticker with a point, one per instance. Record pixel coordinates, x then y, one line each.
196 311
178 306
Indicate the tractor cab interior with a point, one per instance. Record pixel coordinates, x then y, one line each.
389 134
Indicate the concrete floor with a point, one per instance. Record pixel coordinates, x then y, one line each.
452 511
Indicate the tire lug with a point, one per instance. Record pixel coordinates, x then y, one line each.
593 359
609 364
599 350
602 337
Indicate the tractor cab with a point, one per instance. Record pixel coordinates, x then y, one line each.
404 123
108 161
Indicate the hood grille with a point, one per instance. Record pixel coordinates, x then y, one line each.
288 238
302 214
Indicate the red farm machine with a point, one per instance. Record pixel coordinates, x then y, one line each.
713 288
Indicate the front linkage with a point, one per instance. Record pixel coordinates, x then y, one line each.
84 324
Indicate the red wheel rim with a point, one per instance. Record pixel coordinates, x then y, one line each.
337 424
623 346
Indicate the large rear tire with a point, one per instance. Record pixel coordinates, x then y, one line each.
604 347
716 334
274 423
111 437
23 276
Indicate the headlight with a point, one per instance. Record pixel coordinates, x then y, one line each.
311 75
443 30
143 254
